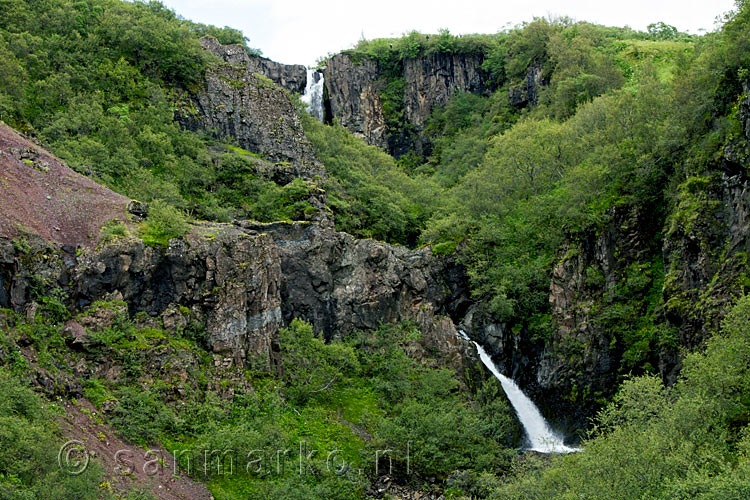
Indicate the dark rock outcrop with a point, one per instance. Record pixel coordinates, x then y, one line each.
243 282
229 281
354 95
712 212
701 283
353 91
581 360
236 101
432 80
292 77
341 284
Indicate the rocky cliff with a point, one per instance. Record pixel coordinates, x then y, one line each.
353 97
707 240
702 282
602 285
292 77
238 102
218 276
243 282
341 284
354 92
432 80
623 298
526 92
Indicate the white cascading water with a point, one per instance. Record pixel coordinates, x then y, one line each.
313 95
541 437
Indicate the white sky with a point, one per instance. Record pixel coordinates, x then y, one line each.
301 31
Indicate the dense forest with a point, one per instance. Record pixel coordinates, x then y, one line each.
629 136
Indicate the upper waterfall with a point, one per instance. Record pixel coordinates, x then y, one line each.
540 435
313 95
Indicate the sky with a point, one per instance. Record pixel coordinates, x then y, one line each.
301 32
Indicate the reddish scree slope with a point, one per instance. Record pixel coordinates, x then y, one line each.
133 468
40 194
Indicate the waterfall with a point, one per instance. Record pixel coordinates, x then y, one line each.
313 95
540 435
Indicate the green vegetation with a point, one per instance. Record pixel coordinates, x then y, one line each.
30 441
622 118
112 230
688 441
164 222
369 194
100 81
352 397
607 185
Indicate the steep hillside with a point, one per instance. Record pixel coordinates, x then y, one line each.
281 307
168 335
42 195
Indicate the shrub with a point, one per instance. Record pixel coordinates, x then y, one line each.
141 417
29 443
312 368
164 223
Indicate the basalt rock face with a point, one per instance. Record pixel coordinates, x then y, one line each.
712 212
679 280
431 81
702 283
244 281
354 89
218 276
690 277
341 284
228 280
292 77
236 101
580 360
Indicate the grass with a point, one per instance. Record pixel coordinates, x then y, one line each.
244 152
660 55
112 230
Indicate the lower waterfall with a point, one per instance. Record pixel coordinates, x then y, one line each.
540 435
313 95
